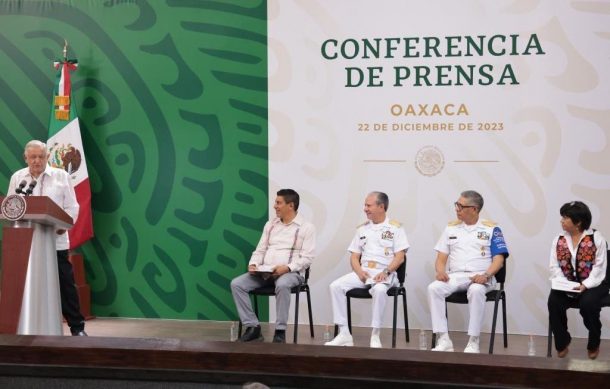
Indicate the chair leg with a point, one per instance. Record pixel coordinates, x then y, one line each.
433 345
404 307
336 330
550 341
310 315
394 321
493 327
504 323
239 330
296 316
349 315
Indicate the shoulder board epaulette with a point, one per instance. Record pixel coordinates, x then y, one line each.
395 223
363 224
454 223
488 223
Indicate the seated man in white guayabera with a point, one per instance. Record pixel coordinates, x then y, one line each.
377 250
469 253
284 252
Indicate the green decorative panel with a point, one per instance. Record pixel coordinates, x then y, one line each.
172 98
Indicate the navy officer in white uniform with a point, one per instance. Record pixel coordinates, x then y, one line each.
378 248
469 253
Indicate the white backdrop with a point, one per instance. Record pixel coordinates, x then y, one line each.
552 148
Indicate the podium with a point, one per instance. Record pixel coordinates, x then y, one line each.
30 303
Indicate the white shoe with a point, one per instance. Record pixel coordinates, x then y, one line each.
375 341
473 345
341 340
443 343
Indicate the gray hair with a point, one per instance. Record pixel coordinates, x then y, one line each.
474 197
35 143
255 385
381 198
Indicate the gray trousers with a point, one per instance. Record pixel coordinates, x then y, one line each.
242 285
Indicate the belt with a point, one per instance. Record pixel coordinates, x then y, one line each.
372 265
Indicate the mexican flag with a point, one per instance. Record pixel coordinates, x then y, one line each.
66 148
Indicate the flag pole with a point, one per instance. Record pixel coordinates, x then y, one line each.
66 146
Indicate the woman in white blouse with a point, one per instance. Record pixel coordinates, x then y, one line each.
578 255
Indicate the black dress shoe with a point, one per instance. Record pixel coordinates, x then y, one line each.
79 333
252 334
279 336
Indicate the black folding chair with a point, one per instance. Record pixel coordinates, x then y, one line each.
492 296
394 291
270 291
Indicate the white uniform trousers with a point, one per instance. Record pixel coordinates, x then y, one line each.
340 286
458 281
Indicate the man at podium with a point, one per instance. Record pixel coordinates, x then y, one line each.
40 179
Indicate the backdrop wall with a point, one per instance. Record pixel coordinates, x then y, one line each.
363 96
172 97
423 100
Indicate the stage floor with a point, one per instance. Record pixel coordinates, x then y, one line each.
202 330
152 353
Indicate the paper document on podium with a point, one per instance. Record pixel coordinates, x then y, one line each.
565 285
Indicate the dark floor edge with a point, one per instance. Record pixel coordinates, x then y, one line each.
173 360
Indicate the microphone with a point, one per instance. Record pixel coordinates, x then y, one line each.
19 190
30 188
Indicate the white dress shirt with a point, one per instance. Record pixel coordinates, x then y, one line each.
471 248
377 243
56 184
291 244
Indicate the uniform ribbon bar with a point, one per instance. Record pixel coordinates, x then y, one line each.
61 100
62 114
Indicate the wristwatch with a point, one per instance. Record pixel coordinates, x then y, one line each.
387 271
486 274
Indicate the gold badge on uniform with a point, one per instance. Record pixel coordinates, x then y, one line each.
482 251
371 265
387 251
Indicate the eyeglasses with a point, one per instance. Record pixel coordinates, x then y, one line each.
460 207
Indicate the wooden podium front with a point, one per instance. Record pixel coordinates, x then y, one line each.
29 299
